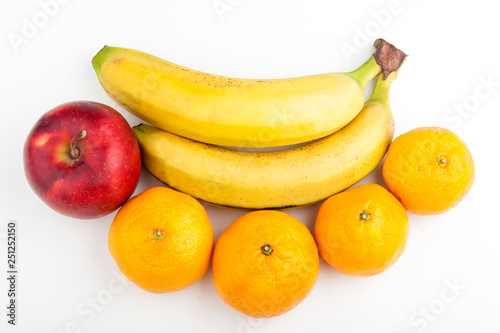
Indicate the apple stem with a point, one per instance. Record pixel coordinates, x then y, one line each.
74 152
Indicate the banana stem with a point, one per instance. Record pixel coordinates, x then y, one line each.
366 72
387 59
390 59
382 88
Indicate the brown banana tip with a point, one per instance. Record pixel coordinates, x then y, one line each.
388 56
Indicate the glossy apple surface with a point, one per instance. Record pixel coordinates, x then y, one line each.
82 159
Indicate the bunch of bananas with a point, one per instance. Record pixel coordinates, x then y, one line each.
204 125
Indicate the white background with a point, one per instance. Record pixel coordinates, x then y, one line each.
64 263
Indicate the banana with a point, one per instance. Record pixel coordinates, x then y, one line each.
273 179
229 111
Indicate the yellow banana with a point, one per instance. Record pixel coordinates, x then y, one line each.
228 111
273 179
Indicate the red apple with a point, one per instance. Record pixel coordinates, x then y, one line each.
82 159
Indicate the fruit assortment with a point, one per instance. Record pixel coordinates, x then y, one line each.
83 160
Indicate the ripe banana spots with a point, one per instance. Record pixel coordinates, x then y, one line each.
238 112
273 179
193 115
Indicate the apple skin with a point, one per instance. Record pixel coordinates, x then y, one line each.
82 159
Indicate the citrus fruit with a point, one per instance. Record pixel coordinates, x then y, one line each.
265 263
161 240
429 169
362 231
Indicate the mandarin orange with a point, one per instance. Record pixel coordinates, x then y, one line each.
265 263
161 240
362 231
429 169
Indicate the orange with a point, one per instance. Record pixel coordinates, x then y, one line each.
429 169
265 263
362 231
161 240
